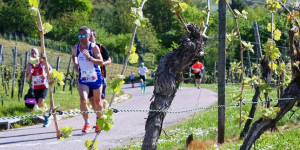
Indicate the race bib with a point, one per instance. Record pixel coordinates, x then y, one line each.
37 80
89 75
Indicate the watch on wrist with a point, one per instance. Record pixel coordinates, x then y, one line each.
91 58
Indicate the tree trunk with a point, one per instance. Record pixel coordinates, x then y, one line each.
169 70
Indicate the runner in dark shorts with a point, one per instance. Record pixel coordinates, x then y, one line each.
143 78
40 93
197 76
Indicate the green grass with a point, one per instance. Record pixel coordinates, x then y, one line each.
204 127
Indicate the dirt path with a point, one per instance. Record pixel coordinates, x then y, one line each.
127 125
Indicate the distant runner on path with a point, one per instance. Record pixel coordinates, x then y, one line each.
197 67
142 71
132 77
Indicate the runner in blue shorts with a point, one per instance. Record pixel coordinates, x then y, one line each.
87 59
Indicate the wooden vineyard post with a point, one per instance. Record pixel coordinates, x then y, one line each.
68 72
1 62
14 71
249 65
23 77
57 68
72 79
44 57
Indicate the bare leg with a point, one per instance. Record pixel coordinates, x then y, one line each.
91 99
97 100
41 101
83 93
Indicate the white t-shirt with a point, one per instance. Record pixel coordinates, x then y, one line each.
142 71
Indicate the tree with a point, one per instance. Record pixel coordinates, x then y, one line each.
148 38
159 14
122 22
65 27
238 4
15 17
56 8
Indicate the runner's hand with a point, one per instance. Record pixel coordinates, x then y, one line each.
76 68
31 71
86 54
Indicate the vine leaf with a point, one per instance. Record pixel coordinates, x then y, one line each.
272 5
106 120
269 27
239 14
231 36
66 132
277 35
133 58
89 143
34 3
178 7
58 77
137 14
116 83
248 46
47 27
270 112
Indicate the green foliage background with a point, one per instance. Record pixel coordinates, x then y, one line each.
113 23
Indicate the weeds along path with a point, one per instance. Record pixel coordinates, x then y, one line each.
127 125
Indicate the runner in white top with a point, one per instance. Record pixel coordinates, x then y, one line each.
142 71
87 59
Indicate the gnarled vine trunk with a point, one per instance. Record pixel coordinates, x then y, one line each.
292 91
169 71
265 71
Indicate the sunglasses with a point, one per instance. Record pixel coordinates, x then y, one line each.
83 36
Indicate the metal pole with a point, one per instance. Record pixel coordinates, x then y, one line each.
249 65
257 40
221 70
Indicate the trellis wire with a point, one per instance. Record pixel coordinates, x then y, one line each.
144 110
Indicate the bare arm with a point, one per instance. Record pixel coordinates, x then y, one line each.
74 58
108 62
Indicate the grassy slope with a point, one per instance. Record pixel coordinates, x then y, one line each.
204 128
12 107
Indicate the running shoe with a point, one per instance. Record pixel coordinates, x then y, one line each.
86 128
47 122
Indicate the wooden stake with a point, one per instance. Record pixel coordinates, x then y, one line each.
43 53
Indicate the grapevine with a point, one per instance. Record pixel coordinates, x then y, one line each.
66 132
106 120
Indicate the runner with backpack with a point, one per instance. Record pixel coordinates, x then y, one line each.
36 73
